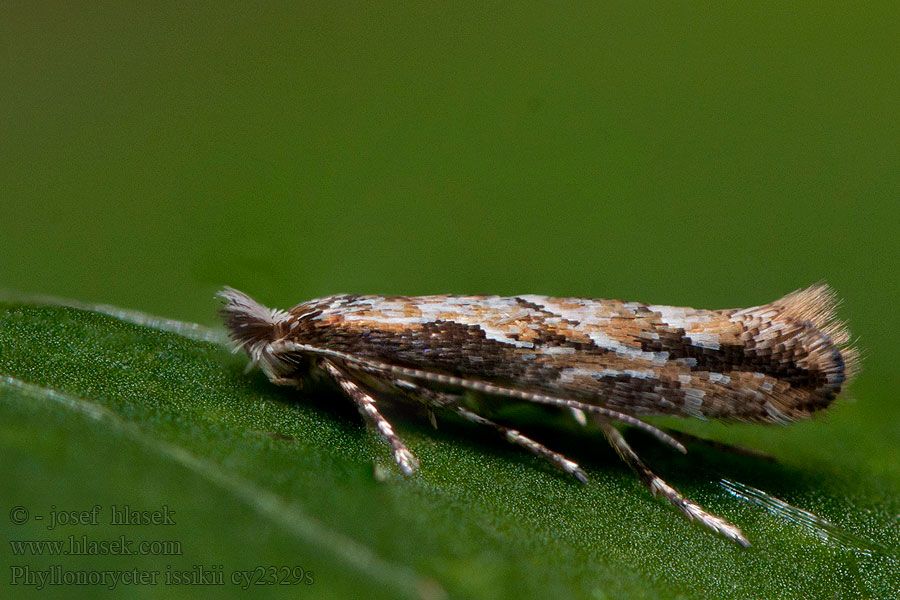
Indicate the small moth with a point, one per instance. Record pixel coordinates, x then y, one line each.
611 360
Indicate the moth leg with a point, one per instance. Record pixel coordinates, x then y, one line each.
658 487
452 402
386 371
515 437
579 416
367 407
401 373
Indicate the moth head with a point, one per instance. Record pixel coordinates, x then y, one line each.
253 328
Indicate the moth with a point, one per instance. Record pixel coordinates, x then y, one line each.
612 361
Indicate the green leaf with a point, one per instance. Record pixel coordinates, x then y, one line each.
104 407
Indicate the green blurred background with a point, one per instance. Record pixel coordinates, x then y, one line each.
715 155
711 156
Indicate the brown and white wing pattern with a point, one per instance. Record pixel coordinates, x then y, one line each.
617 360
777 362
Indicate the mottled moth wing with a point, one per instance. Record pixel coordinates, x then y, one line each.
619 360
781 361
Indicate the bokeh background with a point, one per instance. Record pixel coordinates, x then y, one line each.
711 155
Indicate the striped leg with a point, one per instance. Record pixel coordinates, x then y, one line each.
366 405
658 487
513 436
397 373
452 402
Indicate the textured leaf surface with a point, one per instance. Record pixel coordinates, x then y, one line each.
98 410
704 154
